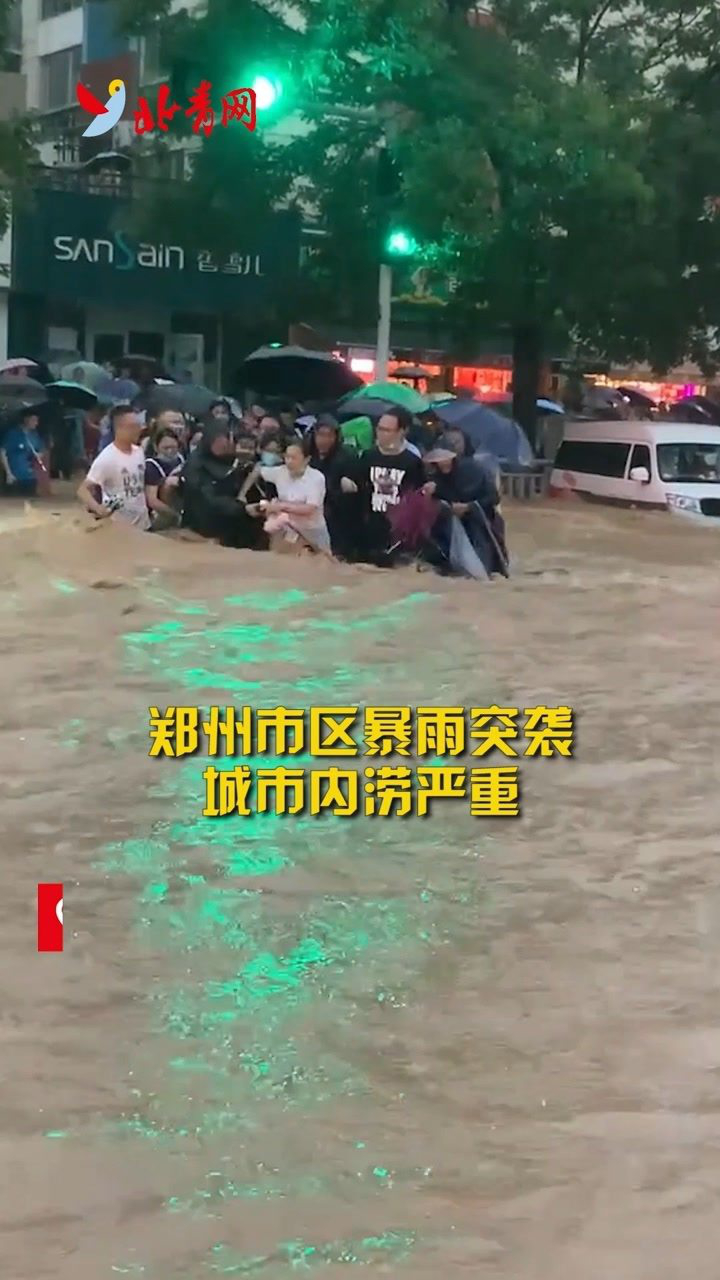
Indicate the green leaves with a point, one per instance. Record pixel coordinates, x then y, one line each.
557 159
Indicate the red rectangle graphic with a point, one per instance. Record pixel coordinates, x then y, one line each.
50 917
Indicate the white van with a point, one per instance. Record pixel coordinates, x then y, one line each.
673 466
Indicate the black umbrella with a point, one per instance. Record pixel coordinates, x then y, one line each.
139 364
184 397
710 408
413 373
637 398
17 392
364 407
298 372
71 395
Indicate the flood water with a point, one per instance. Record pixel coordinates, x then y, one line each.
440 1048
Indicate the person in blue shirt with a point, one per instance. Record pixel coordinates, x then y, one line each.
21 452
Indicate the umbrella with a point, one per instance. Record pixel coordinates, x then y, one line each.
71 394
413 372
184 397
116 160
446 397
549 406
298 372
19 362
396 393
140 364
86 372
638 398
117 390
364 406
16 392
489 431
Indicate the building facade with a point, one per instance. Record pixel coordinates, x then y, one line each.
80 285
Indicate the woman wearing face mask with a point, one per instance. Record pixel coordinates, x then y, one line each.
272 449
162 476
296 518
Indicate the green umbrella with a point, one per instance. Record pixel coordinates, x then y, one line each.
397 393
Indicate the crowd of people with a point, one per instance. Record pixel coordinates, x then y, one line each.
377 495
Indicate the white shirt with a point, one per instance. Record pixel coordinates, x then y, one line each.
121 476
309 488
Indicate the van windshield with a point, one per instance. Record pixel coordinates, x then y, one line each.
689 463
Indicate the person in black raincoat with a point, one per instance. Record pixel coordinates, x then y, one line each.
466 490
211 484
329 455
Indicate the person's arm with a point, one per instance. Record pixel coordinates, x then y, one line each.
7 468
89 502
218 502
154 480
251 478
356 475
155 502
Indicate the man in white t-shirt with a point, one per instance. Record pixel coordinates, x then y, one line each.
119 473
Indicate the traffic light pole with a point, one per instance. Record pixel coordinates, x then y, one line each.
382 353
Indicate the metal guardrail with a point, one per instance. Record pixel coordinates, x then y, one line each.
525 486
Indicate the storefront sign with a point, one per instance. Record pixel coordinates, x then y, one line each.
66 247
123 256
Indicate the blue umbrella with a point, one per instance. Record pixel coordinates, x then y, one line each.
489 431
117 390
549 406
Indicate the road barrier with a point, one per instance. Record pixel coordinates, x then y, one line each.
524 486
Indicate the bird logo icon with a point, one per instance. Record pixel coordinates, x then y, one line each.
107 116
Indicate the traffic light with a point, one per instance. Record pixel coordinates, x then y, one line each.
400 243
268 91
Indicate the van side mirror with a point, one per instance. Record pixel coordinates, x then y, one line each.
641 474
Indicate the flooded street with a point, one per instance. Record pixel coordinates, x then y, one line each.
437 1048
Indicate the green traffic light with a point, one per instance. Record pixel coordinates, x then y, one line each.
401 244
268 89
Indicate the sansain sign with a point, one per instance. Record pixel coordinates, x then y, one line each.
66 246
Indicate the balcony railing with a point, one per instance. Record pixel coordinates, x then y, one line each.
101 182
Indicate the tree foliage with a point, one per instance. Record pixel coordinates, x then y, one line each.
558 158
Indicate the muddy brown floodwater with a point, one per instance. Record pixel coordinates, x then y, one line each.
438 1049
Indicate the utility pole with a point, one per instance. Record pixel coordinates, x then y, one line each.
382 353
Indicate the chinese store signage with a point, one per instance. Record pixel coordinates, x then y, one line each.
70 245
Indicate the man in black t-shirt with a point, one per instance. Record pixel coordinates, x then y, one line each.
383 474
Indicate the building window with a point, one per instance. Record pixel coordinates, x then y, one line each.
51 8
60 73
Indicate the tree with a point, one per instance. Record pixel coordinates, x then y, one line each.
234 182
556 157
549 162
